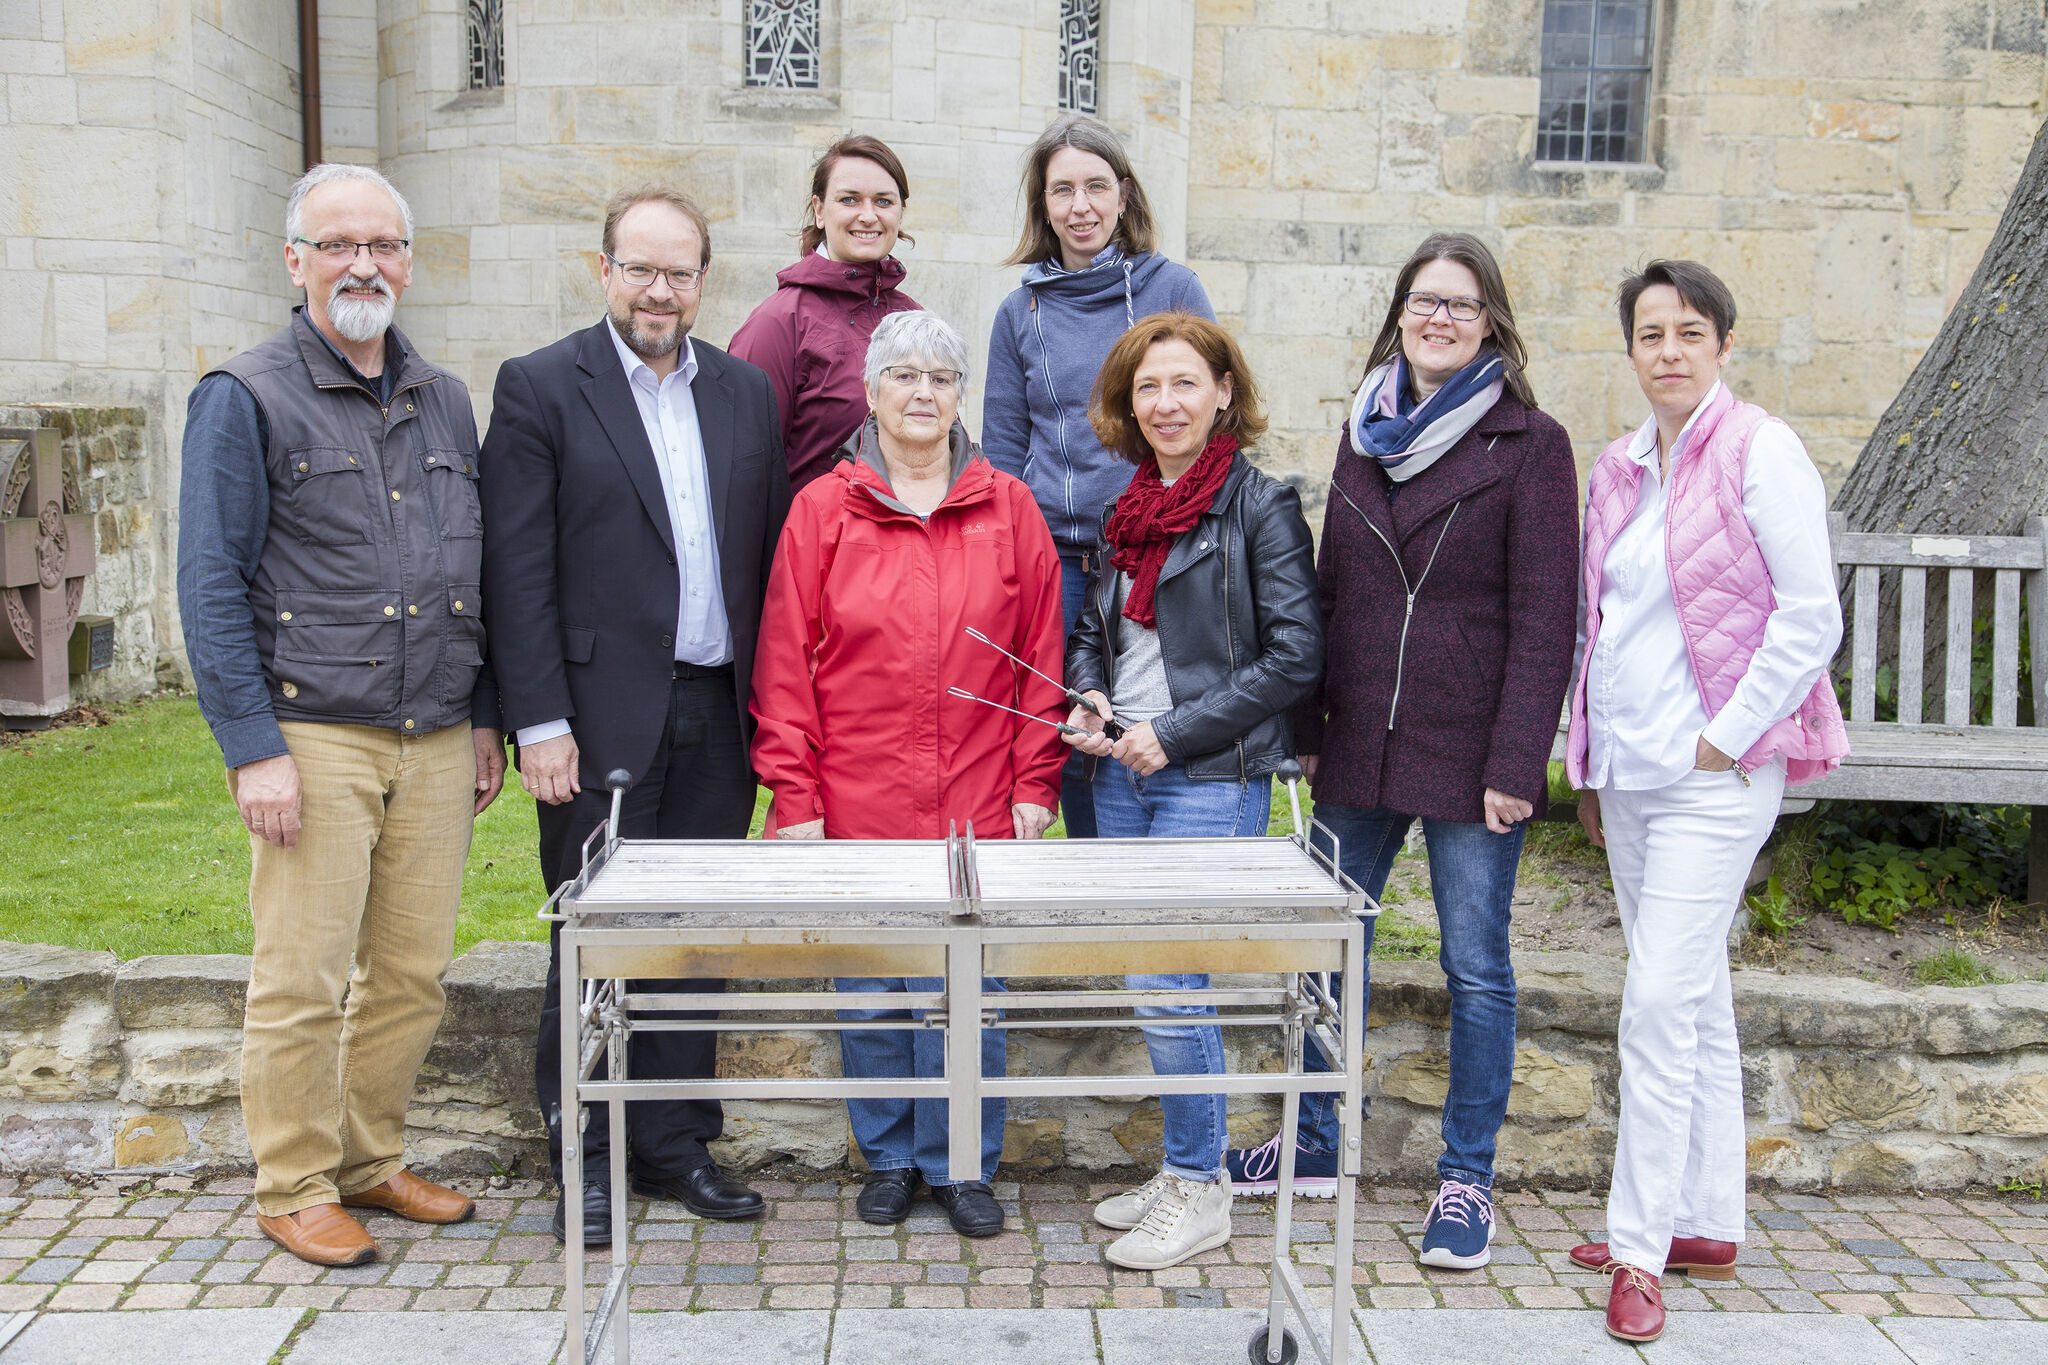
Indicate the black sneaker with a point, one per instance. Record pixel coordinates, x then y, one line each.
970 1207
885 1198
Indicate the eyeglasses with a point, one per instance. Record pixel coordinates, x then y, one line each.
908 376
681 279
1464 310
1095 192
341 249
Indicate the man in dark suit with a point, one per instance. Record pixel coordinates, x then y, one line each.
635 486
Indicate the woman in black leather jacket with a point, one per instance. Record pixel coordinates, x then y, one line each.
1201 629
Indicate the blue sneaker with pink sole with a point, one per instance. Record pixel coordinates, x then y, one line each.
1457 1234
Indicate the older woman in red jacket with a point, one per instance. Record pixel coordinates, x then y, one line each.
884 565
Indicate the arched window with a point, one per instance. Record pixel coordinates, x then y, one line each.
1596 81
1080 54
783 46
486 32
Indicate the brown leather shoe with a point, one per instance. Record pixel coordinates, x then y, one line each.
408 1196
322 1234
1700 1257
1635 1308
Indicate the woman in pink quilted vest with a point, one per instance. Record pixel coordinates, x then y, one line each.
1708 616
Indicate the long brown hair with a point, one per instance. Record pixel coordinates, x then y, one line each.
867 149
1109 407
1039 242
1466 250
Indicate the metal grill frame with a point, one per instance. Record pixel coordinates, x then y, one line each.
788 926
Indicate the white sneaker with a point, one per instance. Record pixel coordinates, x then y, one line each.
1186 1220
1125 1211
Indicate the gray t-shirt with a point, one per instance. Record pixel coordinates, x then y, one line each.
1139 692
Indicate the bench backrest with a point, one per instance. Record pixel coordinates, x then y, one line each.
2016 563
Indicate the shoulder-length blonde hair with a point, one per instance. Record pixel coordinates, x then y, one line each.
1109 407
1134 232
1466 250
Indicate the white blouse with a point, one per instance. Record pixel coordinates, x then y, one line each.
1643 709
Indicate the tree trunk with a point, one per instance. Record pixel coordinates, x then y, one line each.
1964 447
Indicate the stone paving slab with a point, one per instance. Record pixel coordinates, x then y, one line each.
1931 1341
247 1337
760 1337
983 1336
1781 1339
1488 1337
1136 1336
446 1338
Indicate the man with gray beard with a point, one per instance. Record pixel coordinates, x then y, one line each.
329 555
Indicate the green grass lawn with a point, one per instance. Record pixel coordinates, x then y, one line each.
122 837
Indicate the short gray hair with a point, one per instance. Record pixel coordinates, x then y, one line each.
917 335
328 173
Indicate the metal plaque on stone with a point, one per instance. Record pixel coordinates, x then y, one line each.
46 554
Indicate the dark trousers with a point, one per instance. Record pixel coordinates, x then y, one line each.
699 786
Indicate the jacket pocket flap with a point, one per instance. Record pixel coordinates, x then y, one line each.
307 607
447 457
465 600
578 643
310 461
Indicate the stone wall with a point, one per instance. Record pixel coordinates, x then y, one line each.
1842 164
109 1064
145 150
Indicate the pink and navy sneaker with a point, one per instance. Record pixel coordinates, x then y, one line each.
1458 1232
1256 1170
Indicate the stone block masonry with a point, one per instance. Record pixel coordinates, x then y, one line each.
135 1066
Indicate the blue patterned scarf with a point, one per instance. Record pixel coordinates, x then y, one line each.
1407 437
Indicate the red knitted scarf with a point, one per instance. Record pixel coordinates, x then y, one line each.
1150 515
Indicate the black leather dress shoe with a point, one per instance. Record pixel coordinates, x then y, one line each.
707 1192
971 1208
886 1196
597 1216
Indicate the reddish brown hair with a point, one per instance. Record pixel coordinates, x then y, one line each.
1109 407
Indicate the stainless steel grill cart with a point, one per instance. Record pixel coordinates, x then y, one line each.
960 911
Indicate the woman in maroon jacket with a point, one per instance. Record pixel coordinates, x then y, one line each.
1447 567
811 334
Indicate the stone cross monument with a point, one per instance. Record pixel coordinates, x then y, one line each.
46 552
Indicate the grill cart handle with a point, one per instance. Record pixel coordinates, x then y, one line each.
617 781
1290 772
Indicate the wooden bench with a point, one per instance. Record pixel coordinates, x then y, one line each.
1912 758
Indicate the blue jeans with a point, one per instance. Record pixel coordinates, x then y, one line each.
1077 798
900 1134
1167 804
1472 879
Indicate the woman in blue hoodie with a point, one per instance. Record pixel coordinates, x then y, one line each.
1090 274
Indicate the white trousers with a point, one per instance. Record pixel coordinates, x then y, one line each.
1680 855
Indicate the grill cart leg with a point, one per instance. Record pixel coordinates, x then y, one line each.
618 1286
571 1121
1350 1141
963 1058
1274 1343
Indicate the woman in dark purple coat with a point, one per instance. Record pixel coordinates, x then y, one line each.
1448 561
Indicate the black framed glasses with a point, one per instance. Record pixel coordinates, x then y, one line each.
681 279
1462 309
341 249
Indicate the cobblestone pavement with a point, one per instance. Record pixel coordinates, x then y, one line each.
177 1243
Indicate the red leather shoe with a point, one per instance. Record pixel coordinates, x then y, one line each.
1635 1310
1699 1257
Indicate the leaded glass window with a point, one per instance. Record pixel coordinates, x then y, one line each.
1080 53
1596 81
783 47
486 31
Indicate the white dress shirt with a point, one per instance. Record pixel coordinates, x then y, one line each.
1643 710
668 411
